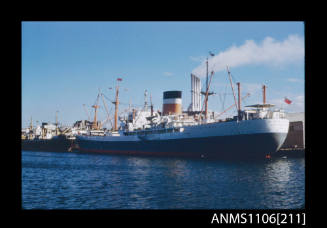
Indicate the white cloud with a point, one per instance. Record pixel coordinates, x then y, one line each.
252 88
269 52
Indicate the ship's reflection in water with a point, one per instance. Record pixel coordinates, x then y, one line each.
280 181
87 181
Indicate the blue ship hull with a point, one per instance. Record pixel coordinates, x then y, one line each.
235 146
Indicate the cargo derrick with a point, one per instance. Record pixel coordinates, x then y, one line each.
106 108
95 125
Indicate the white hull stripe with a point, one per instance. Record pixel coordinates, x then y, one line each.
246 127
172 101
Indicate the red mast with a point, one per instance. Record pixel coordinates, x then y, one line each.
264 94
95 106
116 105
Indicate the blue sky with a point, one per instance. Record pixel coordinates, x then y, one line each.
65 63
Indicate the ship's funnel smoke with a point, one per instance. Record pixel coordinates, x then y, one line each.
268 52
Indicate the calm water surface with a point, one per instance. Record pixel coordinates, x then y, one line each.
88 181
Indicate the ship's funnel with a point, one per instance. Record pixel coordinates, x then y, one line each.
172 102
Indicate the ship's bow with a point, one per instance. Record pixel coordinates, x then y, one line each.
274 134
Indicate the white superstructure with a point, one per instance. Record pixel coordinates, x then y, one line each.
146 127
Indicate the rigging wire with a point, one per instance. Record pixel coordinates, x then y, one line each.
233 78
107 119
122 103
223 103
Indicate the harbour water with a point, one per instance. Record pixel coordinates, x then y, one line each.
90 181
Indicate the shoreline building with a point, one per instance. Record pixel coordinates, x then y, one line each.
296 134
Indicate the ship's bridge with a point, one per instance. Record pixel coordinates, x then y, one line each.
263 111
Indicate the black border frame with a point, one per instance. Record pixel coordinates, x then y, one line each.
155 217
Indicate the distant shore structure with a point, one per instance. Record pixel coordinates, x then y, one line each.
296 134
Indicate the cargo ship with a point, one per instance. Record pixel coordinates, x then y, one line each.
257 132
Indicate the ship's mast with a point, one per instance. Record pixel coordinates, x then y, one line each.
151 104
145 100
57 122
95 106
231 83
31 129
116 107
116 102
134 111
239 96
206 98
207 74
264 93
207 93
94 125
31 124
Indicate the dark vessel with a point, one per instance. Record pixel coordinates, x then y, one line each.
56 144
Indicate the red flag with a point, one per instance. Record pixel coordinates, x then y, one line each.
287 101
119 79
